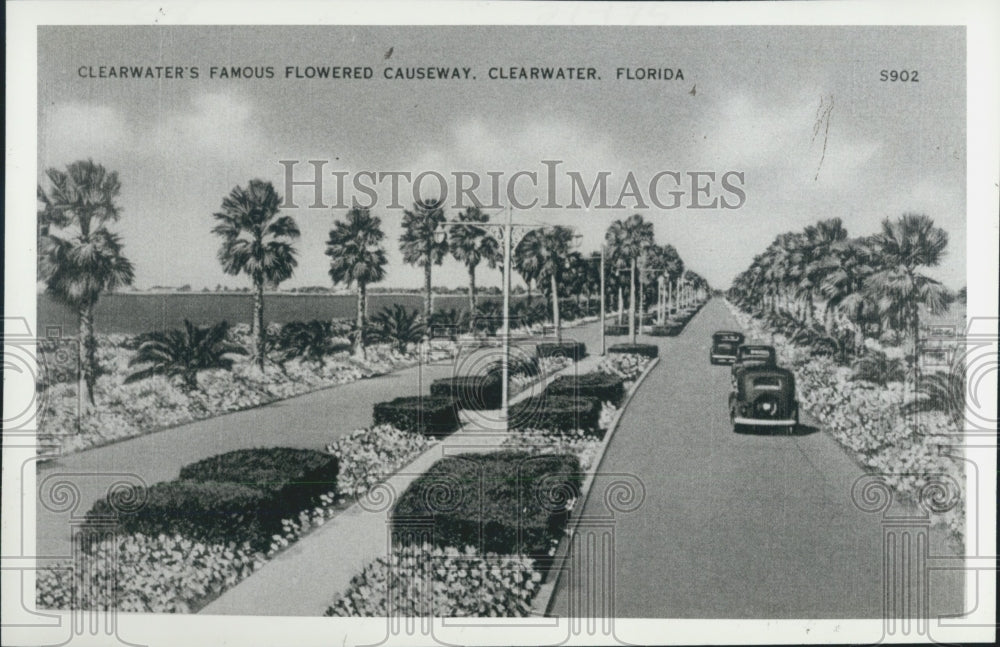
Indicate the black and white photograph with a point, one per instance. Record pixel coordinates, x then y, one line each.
500 323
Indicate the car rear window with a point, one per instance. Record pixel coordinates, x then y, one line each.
767 382
725 346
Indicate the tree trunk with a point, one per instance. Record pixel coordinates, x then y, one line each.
86 372
359 331
631 305
527 283
621 304
258 315
427 291
555 310
472 290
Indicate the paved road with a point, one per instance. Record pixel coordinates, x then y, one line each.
732 525
308 421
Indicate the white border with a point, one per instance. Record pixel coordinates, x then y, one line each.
983 173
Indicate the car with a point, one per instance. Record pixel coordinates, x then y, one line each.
748 355
764 396
724 345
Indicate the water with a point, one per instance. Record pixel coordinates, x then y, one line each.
133 313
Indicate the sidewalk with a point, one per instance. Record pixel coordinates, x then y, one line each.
304 579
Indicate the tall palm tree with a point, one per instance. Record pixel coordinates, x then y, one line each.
471 246
527 259
555 248
820 243
897 286
419 242
256 241
79 258
629 238
357 256
843 285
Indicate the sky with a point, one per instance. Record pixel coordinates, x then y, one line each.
801 112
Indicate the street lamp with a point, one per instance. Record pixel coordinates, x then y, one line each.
508 234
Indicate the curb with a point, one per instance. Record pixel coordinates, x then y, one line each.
540 606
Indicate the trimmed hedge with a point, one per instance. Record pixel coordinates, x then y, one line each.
234 497
646 350
474 392
204 510
508 502
669 330
431 416
573 349
602 387
556 413
292 478
614 330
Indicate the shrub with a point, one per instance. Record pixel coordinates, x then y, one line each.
462 583
240 496
505 502
670 329
292 478
431 416
183 353
599 386
556 413
398 326
312 341
573 349
474 392
646 350
205 511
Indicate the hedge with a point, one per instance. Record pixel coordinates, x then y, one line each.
473 392
508 502
234 497
573 349
209 511
615 330
292 478
669 330
602 387
431 416
646 350
556 413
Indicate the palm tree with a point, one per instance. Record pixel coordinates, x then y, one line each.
79 258
256 241
471 246
554 249
357 256
629 239
897 286
527 258
820 243
843 285
183 353
419 242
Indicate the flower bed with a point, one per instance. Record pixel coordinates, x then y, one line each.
869 421
139 573
127 410
368 456
461 583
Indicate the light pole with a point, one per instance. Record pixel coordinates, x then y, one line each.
508 234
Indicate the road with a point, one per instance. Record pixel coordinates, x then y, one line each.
731 525
308 421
